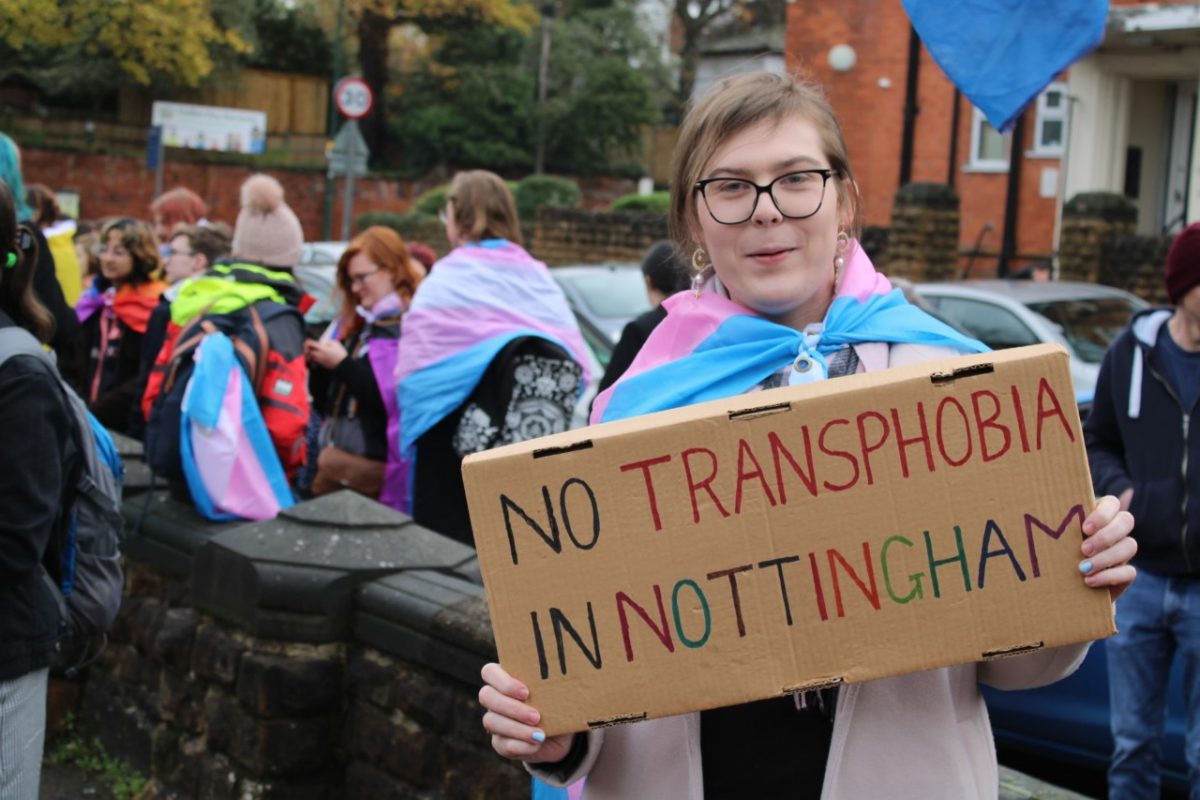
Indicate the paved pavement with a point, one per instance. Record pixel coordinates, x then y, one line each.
1019 786
62 782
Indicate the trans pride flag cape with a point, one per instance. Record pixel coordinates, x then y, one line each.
229 461
475 301
383 353
709 347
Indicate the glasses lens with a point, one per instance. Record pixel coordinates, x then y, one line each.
797 194
730 200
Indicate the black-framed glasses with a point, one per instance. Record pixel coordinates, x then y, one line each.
796 195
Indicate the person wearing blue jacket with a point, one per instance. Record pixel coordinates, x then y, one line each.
1142 449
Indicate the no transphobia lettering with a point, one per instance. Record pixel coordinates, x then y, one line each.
862 527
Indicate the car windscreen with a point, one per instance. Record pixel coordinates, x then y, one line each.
611 293
1089 325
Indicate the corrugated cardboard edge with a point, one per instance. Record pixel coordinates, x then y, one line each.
771 401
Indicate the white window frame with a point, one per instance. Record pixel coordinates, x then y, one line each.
1046 114
977 164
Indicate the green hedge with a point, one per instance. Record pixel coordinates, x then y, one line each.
431 202
540 191
654 203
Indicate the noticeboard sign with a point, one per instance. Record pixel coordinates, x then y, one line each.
196 127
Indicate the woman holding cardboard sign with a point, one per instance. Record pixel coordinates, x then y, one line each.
766 204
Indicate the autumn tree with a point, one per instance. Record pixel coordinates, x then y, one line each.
473 101
86 45
374 20
697 19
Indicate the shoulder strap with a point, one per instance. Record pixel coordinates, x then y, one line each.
16 341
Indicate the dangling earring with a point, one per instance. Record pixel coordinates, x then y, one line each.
839 259
700 265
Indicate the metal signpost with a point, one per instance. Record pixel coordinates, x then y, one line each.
353 99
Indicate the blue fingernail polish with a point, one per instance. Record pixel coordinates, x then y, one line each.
1085 567
538 736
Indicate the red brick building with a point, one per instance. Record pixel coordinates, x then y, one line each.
1122 120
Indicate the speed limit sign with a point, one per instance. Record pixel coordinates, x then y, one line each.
352 97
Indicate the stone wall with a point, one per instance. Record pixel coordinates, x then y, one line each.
576 236
1098 245
326 655
1136 264
922 241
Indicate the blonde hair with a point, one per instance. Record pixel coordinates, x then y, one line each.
736 104
483 207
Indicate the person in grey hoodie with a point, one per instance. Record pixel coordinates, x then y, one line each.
1141 449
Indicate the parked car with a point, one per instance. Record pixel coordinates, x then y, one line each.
1067 721
1083 317
317 273
604 297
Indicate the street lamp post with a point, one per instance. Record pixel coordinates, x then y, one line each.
539 161
331 121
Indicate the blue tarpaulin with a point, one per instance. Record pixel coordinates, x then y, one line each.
1002 53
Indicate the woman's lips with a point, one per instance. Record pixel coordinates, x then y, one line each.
770 255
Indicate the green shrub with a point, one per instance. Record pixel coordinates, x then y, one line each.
539 191
412 227
432 201
654 203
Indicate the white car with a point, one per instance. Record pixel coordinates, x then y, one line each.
1083 317
317 273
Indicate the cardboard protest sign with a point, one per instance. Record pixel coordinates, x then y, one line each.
843 531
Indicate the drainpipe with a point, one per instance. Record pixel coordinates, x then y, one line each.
910 105
952 168
1008 247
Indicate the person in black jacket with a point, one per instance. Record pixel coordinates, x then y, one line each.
41 467
350 377
1141 449
64 336
115 314
664 277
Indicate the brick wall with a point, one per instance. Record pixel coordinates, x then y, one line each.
112 185
872 116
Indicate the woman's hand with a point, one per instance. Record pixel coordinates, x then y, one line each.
327 353
1108 547
513 724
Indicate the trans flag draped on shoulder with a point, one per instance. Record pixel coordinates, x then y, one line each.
475 301
229 460
709 347
383 353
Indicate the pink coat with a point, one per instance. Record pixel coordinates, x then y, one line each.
923 736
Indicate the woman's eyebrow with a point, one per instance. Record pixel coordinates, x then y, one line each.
796 161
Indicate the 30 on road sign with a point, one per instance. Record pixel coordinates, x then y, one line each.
353 97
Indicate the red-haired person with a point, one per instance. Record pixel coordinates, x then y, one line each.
115 313
179 205
350 378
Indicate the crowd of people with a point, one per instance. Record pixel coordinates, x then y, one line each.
429 360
